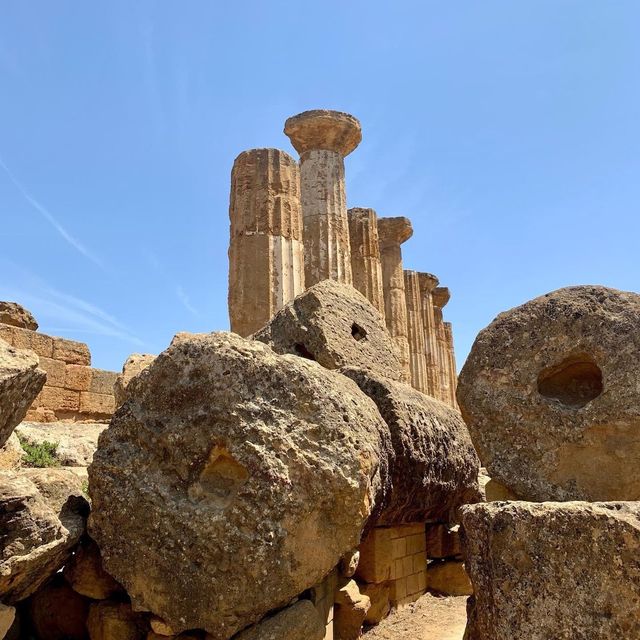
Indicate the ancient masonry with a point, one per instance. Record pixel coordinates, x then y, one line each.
290 228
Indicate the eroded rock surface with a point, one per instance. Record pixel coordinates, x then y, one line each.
300 620
20 382
553 570
334 325
16 315
551 397
433 465
134 364
254 473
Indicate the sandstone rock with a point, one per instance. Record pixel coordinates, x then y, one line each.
349 563
85 574
7 616
76 441
20 383
300 620
16 315
57 612
115 621
350 612
334 325
135 363
255 473
379 596
42 516
11 454
550 394
160 627
449 578
495 491
553 570
433 466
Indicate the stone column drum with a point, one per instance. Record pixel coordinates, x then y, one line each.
323 139
451 364
392 232
416 333
365 255
266 256
428 282
440 298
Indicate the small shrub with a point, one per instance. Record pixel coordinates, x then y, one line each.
40 455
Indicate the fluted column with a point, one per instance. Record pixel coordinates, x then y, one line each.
266 257
428 282
365 255
323 139
392 232
416 334
452 371
440 297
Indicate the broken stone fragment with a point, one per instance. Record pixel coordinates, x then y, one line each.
115 621
380 598
449 578
349 563
350 611
86 575
16 315
135 363
300 620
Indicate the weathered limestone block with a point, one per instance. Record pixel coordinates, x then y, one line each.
42 516
451 363
427 283
76 441
416 332
440 297
16 315
335 325
20 382
449 578
97 405
349 563
365 255
60 401
392 232
136 363
350 612
443 541
160 627
266 256
71 351
380 598
433 465
27 339
300 620
323 139
553 570
86 575
259 492
102 381
550 394
115 621
55 370
11 454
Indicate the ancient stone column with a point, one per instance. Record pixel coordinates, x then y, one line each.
266 256
365 255
392 232
323 139
416 334
440 298
451 356
428 282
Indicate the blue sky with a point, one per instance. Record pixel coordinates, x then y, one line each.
509 132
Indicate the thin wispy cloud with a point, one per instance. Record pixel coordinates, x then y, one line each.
50 218
182 296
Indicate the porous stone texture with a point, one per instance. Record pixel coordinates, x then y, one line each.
553 570
365 255
334 325
115 621
440 298
350 612
392 232
323 139
86 575
238 492
427 283
20 382
266 256
550 394
433 465
448 577
76 441
416 332
11 454
42 517
300 620
135 364
16 315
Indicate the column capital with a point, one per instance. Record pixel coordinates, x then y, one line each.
323 129
394 230
441 295
428 282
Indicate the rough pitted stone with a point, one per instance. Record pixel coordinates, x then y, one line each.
255 472
135 363
16 315
115 621
300 620
550 394
42 517
350 611
433 466
11 454
555 570
334 325
266 256
20 382
324 129
86 575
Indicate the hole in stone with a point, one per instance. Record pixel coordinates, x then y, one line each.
358 332
575 382
302 351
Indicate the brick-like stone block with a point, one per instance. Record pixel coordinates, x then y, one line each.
419 562
59 400
78 377
55 371
102 381
26 339
413 584
376 559
399 548
6 333
71 352
398 589
448 577
97 403
416 543
442 541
